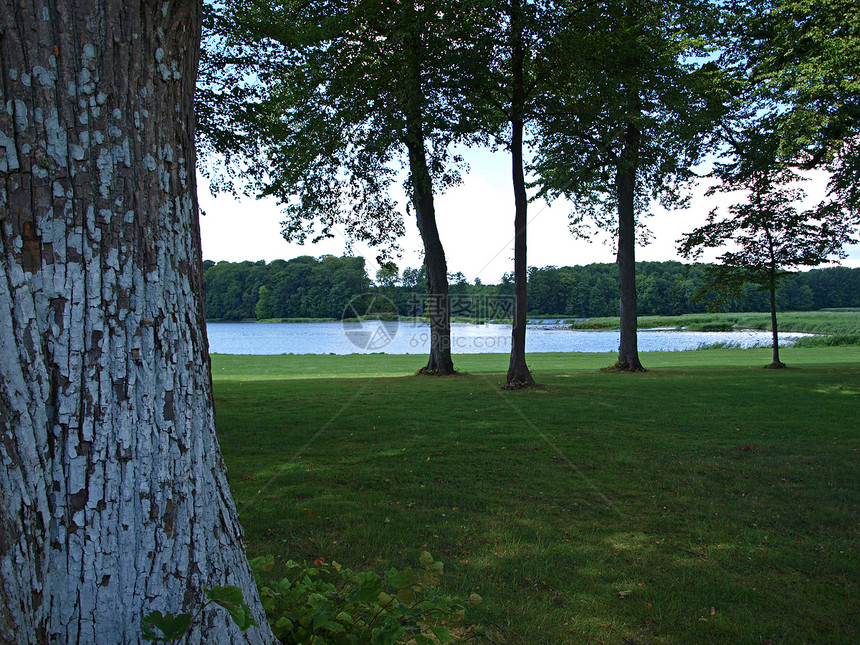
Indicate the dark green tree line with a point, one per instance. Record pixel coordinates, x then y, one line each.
303 287
307 287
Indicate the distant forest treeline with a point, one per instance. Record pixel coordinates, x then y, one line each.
308 287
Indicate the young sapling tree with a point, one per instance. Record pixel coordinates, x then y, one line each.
771 236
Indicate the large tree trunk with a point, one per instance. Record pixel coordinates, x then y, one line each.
625 186
518 372
439 310
113 495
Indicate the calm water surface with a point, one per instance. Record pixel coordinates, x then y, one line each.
414 338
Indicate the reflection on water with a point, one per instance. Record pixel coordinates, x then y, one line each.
414 338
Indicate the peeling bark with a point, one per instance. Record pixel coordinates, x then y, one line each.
113 494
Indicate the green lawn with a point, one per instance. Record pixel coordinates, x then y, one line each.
704 501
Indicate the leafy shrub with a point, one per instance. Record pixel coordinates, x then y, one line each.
328 603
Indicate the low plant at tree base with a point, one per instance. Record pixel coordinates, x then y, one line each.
167 628
328 603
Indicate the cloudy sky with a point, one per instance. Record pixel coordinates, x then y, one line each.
475 222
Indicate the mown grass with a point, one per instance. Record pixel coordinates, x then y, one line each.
704 501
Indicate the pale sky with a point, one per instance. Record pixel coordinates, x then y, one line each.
475 222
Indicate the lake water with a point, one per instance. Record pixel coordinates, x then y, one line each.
414 338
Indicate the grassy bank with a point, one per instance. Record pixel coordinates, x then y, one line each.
824 322
834 327
417 319
705 501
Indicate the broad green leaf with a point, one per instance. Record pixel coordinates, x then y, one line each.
319 602
283 623
426 605
344 617
400 579
225 595
443 634
406 596
231 599
369 586
169 627
262 564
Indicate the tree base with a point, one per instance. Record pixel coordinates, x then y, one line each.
623 366
438 364
429 371
519 381
776 365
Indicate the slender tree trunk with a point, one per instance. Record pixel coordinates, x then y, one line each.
518 372
774 333
772 289
773 326
113 496
439 310
625 186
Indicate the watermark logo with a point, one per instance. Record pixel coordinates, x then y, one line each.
370 321
463 308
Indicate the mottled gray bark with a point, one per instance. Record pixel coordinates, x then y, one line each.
113 495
